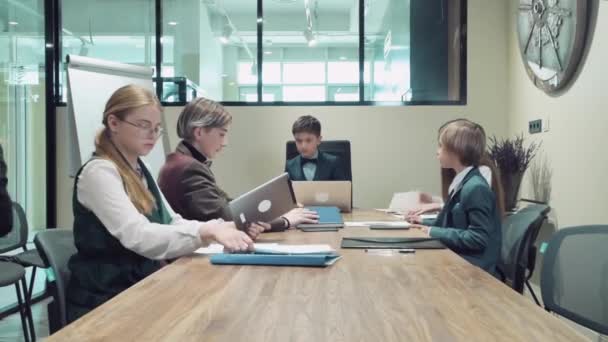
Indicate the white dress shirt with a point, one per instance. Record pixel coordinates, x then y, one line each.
101 190
484 170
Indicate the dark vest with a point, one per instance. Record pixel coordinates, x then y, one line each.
103 267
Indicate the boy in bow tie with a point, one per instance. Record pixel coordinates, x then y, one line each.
312 164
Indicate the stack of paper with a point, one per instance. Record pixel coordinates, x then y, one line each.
216 248
293 249
402 202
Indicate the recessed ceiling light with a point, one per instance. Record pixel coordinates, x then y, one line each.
13 23
342 58
268 52
172 23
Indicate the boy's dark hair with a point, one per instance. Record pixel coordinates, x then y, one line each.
307 124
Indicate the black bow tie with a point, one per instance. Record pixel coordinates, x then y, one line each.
306 160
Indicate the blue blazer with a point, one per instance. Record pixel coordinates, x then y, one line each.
470 223
329 168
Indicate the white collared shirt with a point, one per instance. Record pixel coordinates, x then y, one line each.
101 190
484 170
458 179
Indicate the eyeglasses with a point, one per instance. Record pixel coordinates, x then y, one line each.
146 129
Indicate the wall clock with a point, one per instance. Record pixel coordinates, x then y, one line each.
552 36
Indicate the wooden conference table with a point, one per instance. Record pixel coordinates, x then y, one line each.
432 295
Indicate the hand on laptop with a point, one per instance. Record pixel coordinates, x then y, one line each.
298 216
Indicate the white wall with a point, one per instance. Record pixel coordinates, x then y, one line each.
575 144
393 147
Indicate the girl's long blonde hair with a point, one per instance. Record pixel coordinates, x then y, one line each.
122 102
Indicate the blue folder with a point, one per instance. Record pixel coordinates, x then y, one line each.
329 218
316 260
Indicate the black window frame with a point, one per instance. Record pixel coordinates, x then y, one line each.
55 48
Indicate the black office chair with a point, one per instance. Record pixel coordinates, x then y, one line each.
338 148
574 277
56 246
13 274
518 253
542 210
17 239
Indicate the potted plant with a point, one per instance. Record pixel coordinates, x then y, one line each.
512 159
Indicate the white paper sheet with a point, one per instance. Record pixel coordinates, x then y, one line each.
294 249
372 223
216 248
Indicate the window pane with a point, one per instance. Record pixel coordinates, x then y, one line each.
343 93
343 72
22 120
23 103
214 45
247 73
304 73
249 94
304 41
346 97
410 51
271 73
303 93
108 30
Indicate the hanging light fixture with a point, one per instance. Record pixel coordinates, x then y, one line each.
227 31
308 34
310 37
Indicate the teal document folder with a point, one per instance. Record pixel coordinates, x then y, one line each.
314 260
329 219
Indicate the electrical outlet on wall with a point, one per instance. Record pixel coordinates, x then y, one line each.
535 126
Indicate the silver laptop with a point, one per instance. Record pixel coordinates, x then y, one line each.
264 203
324 193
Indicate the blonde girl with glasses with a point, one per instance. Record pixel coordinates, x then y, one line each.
124 230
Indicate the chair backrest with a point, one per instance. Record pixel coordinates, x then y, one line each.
17 238
542 210
339 148
519 231
574 278
55 247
